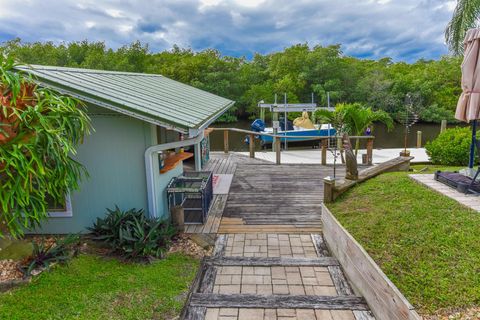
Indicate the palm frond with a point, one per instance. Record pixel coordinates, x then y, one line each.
465 16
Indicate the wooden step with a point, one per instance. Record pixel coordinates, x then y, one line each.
211 300
272 261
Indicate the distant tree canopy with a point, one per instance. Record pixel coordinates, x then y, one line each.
299 70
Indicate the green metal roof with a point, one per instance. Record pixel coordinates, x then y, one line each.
149 97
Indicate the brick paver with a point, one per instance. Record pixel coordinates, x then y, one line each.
270 245
278 280
277 314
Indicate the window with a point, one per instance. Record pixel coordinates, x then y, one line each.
59 210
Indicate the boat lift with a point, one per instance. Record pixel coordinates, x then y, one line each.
285 107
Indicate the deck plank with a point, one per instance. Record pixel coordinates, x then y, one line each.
265 197
275 198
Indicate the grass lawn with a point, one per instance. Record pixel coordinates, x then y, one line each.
431 168
427 244
94 287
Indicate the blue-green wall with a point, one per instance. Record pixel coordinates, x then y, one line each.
114 157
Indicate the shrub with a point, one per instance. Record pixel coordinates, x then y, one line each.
451 147
132 234
61 251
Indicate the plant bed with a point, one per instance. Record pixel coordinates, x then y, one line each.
43 252
426 243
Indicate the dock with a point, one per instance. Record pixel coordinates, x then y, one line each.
314 156
265 197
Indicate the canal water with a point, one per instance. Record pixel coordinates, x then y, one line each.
383 137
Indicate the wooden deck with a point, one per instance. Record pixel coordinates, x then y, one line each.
220 163
275 198
265 197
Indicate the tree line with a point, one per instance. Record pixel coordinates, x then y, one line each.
300 71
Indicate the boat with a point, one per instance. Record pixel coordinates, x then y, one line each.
323 130
301 126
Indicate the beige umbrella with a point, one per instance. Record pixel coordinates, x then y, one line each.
468 107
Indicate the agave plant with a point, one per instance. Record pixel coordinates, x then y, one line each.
132 234
43 256
39 132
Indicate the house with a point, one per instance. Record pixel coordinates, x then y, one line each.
135 117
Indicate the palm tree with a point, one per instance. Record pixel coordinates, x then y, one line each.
354 119
358 118
465 16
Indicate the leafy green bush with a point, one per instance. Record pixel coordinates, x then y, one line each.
132 234
44 255
451 147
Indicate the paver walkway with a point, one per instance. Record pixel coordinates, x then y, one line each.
273 276
271 261
468 200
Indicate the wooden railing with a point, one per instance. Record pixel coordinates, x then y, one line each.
277 141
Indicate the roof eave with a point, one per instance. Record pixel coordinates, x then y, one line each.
204 125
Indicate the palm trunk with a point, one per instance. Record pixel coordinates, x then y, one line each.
357 145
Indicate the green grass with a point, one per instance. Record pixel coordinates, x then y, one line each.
426 243
93 287
431 168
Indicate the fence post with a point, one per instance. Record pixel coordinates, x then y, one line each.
443 126
251 145
370 151
328 189
324 151
225 141
419 139
277 150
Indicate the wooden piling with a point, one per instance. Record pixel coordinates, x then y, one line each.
443 126
225 141
251 145
419 139
370 151
328 189
277 150
324 151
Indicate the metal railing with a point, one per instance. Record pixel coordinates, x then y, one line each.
278 137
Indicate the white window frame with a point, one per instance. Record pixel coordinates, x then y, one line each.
63 214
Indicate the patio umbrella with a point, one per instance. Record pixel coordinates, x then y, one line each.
468 107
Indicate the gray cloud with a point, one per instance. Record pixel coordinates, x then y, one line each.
401 29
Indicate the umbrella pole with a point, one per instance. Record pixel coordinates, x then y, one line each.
472 146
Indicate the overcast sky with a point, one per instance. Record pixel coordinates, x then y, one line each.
402 29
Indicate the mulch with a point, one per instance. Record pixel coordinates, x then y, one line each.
465 314
182 243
